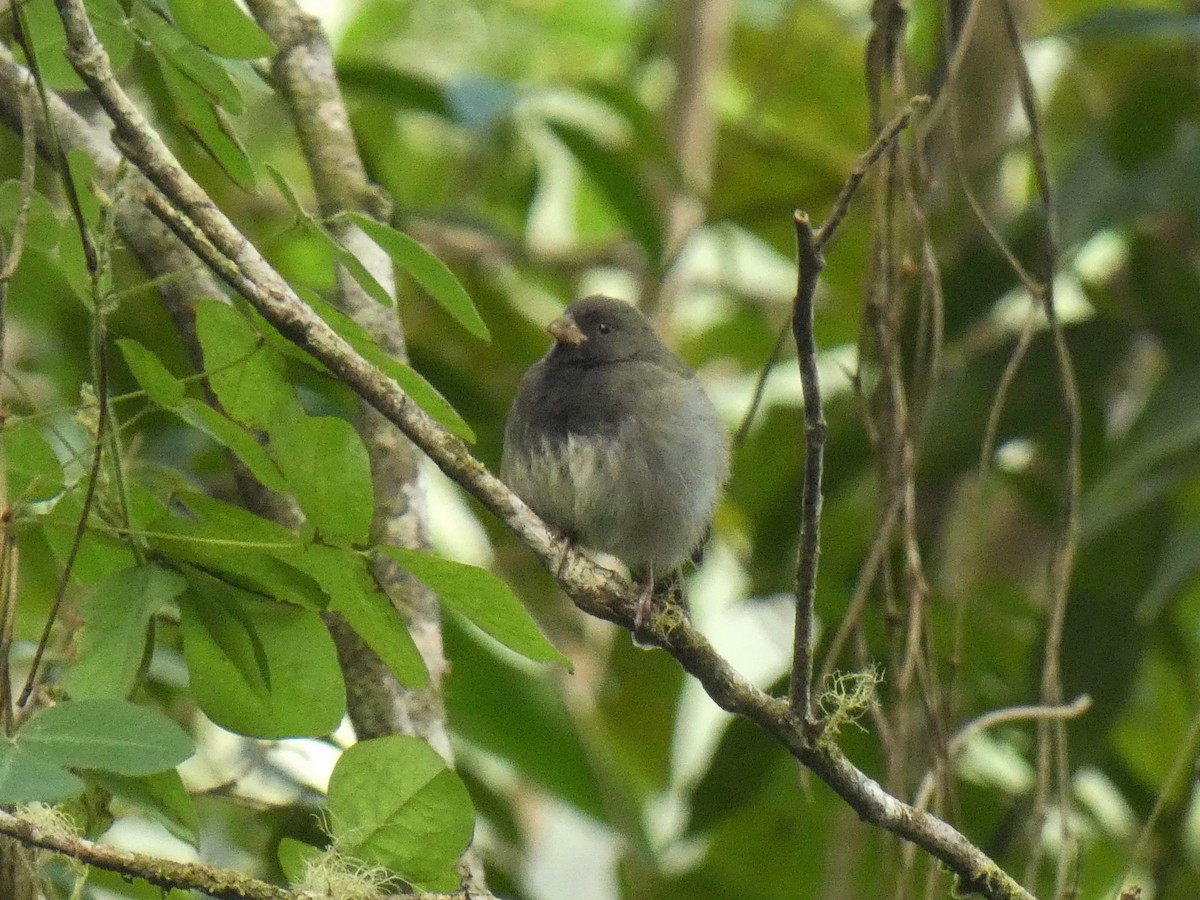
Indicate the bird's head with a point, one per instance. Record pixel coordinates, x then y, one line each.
600 329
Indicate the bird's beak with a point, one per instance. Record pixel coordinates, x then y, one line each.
565 331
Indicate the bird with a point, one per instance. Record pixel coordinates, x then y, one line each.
613 442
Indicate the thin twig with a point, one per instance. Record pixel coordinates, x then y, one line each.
987 446
962 42
760 386
932 330
12 259
100 362
948 100
81 527
916 586
993 719
824 234
8 611
1072 710
92 261
1184 761
809 265
220 883
858 171
12 255
862 589
56 147
1063 557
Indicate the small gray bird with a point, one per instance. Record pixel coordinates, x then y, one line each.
612 441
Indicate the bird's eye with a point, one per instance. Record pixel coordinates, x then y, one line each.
604 328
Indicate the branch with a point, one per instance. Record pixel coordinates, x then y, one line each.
824 234
595 590
223 884
980 724
214 881
703 32
975 870
886 137
809 263
1052 736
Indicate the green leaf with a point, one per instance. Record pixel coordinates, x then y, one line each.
222 27
25 776
484 684
162 387
83 175
410 381
419 826
42 230
173 48
233 437
246 376
235 522
647 125
342 574
289 192
429 271
34 472
162 796
49 40
116 621
326 464
205 122
99 554
615 175
396 88
293 856
352 263
1127 23
319 233
108 734
259 668
145 506
258 565
345 576
483 599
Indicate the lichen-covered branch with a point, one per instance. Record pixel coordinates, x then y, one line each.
224 884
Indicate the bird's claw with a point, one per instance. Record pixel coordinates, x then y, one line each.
642 613
568 544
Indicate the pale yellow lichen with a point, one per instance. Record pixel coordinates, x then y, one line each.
846 697
339 877
52 822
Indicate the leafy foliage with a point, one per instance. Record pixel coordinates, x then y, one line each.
418 827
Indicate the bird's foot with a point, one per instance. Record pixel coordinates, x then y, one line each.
661 607
642 613
568 544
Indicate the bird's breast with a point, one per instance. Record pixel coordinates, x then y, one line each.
627 460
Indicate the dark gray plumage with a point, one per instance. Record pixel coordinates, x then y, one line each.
612 440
